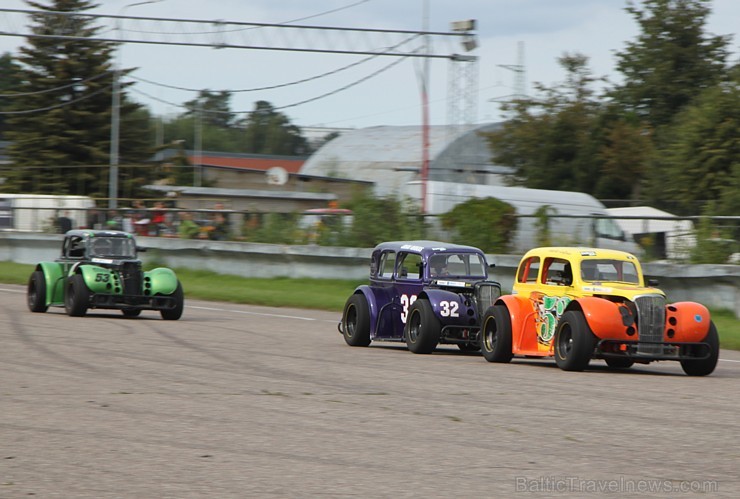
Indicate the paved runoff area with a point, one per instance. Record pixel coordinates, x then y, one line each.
244 401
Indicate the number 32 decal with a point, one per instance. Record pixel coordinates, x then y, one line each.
447 308
406 302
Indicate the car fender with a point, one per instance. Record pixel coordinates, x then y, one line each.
687 321
521 315
54 277
450 308
372 305
603 317
98 279
161 280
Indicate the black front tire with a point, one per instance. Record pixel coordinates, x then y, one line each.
356 321
574 342
77 296
496 335
422 329
36 296
172 314
703 367
131 312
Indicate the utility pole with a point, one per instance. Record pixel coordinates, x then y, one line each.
115 115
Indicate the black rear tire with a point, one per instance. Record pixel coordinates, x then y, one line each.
422 329
574 342
703 367
77 296
36 296
356 321
496 335
172 314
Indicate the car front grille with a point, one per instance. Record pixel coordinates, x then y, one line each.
650 323
485 294
131 276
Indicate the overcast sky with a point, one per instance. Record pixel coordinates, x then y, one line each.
547 28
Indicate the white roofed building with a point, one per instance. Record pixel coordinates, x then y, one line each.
391 156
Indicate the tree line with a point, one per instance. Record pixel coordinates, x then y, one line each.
667 134
56 106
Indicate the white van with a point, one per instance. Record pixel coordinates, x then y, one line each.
566 229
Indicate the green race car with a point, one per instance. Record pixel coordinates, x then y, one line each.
100 269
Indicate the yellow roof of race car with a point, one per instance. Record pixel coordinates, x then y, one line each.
580 252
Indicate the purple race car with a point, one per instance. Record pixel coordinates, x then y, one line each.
423 293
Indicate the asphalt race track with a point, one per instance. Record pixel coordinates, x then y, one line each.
243 401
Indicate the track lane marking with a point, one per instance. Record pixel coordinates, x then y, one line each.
263 314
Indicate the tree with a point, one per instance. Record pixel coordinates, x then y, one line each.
214 107
488 224
624 148
671 60
61 133
267 131
698 159
548 141
378 219
9 84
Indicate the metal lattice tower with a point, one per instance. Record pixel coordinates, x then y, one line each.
462 91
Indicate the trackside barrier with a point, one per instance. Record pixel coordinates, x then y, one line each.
716 286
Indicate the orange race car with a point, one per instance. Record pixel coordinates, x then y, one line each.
578 304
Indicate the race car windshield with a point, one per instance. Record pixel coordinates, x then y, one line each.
113 247
457 265
609 270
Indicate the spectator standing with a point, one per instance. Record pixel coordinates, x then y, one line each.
64 223
115 221
188 229
158 218
95 219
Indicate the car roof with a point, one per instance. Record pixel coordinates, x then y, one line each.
579 253
425 247
98 233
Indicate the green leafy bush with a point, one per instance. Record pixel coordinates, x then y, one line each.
486 223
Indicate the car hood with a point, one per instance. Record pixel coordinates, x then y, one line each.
629 291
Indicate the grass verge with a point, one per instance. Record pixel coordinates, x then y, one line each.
322 294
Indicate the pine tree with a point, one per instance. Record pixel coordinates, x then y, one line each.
60 138
9 83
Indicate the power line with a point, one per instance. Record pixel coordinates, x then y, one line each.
280 85
68 85
333 92
313 16
295 104
231 34
57 106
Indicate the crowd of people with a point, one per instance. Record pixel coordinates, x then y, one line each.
157 220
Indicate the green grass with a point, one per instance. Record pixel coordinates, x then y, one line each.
322 294
728 327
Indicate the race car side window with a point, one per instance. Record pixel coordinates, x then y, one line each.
528 270
75 247
557 272
387 265
409 266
